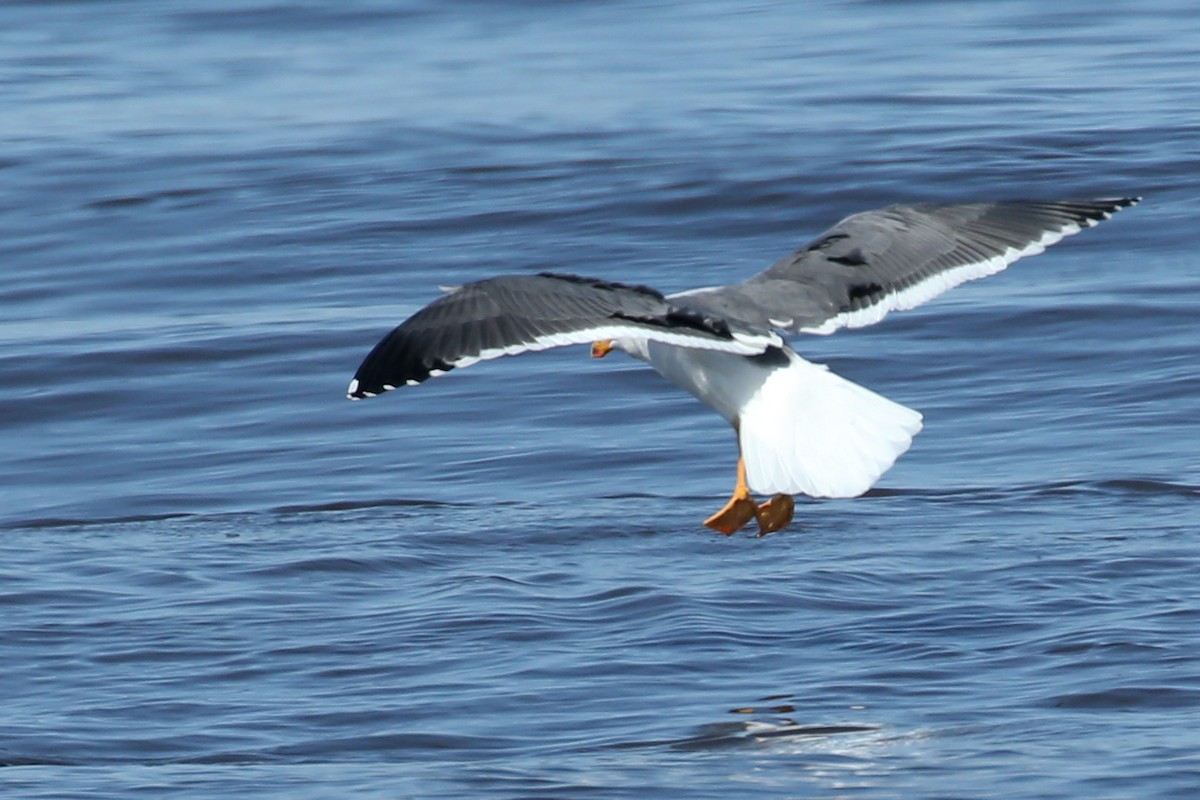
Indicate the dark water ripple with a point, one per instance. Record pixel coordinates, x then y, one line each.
217 577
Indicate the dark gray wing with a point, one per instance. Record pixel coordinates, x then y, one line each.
514 314
895 258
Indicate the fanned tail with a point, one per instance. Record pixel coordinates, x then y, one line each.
809 431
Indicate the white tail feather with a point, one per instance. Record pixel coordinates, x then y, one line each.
809 431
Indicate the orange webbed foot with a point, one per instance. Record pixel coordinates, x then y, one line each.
775 514
740 509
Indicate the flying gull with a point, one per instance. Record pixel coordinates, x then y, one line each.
800 428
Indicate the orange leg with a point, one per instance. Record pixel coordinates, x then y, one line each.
740 509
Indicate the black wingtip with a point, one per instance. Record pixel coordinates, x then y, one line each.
396 360
1109 206
356 392
364 385
1090 213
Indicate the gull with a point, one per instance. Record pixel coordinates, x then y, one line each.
800 428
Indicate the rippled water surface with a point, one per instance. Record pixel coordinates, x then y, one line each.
218 577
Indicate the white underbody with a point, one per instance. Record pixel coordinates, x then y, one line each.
801 428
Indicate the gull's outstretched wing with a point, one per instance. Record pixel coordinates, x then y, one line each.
894 258
514 314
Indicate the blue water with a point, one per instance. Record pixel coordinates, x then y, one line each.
220 578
